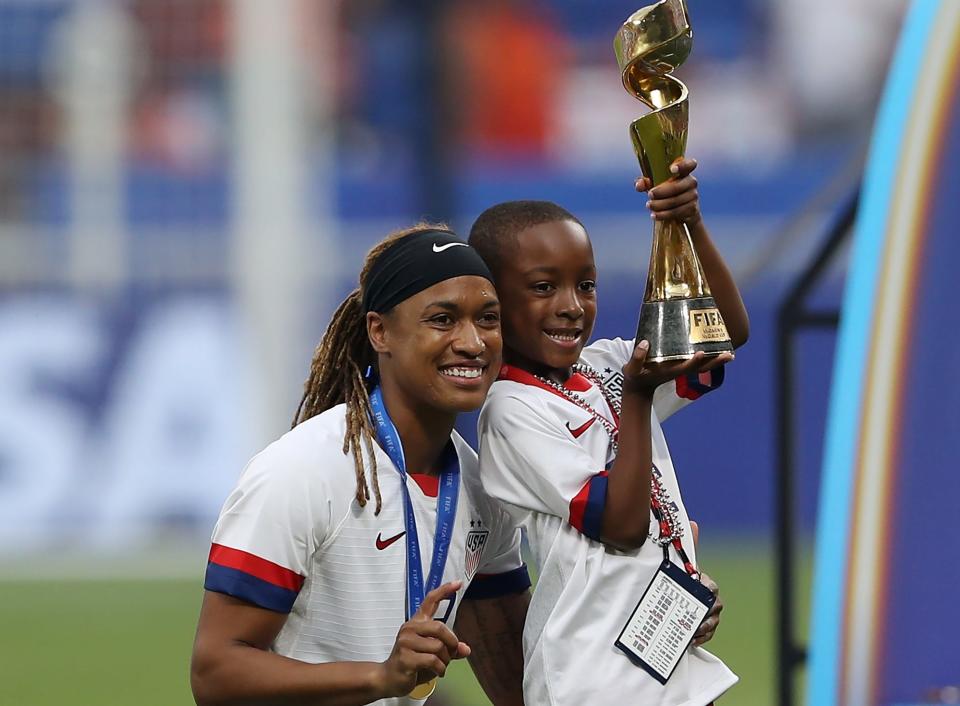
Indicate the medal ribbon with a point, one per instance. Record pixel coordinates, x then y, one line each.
389 441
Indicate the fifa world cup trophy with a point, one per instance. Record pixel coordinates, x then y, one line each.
679 316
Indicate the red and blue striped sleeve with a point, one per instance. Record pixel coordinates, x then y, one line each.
586 508
695 385
248 577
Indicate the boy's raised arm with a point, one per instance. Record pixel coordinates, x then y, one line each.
626 512
678 199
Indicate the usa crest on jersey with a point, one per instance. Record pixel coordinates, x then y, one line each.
476 540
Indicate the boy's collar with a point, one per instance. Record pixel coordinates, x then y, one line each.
574 383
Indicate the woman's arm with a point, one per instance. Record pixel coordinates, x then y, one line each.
231 663
493 627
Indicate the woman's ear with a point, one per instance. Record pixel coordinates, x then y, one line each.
377 332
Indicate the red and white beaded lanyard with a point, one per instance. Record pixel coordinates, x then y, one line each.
612 427
670 528
665 512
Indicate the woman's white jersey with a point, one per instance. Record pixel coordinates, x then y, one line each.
546 459
292 538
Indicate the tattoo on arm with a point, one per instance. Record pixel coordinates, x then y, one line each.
494 630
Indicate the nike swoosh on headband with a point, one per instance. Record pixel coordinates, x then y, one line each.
441 248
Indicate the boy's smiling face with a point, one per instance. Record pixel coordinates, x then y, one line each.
547 287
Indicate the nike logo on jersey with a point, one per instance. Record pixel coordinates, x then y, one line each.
384 543
441 248
578 432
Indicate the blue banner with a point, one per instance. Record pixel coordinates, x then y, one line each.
884 614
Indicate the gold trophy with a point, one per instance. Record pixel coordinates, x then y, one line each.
679 316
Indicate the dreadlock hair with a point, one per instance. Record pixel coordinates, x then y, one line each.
500 225
338 371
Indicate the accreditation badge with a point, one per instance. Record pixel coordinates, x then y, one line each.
662 625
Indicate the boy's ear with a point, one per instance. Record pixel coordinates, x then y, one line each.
376 332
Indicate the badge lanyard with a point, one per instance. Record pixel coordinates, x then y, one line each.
389 441
665 531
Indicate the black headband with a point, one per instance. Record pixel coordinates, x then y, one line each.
416 262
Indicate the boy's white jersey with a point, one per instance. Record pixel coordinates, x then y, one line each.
545 458
292 538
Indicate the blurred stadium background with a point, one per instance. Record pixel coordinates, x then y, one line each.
187 188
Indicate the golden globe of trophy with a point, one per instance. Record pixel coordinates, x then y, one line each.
679 316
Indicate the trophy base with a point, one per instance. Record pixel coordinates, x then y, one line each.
678 328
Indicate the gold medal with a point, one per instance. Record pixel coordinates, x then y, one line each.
422 691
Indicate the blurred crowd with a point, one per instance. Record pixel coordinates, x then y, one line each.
144 212
499 84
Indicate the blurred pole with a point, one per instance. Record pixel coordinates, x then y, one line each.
432 138
271 251
93 69
794 315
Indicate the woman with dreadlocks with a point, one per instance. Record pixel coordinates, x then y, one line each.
340 560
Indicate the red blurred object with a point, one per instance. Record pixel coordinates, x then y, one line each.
508 62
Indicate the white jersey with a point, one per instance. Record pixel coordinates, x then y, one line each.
292 538
546 459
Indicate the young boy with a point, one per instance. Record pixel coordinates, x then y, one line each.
570 442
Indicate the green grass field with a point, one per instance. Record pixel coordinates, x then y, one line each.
123 642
